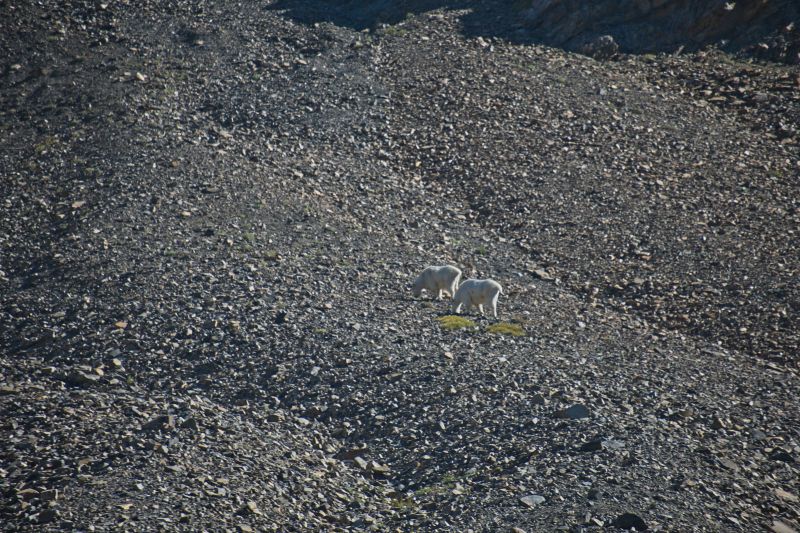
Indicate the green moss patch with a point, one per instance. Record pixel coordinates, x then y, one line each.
506 328
453 322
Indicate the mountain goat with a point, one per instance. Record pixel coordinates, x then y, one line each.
437 279
477 292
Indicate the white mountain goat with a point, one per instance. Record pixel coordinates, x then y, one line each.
477 292
437 279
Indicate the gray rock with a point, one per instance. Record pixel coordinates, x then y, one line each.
592 446
6 390
730 465
81 379
574 412
379 468
250 508
191 424
349 454
781 455
630 521
46 516
532 500
601 48
785 495
48 495
780 527
361 463
159 423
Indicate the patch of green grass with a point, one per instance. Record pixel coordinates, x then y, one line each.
271 255
481 250
506 328
249 236
453 322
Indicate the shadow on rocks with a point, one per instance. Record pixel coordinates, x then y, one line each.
597 29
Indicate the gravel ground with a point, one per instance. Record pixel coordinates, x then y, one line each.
212 213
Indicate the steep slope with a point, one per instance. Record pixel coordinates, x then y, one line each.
211 216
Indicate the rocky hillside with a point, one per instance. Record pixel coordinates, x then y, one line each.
211 215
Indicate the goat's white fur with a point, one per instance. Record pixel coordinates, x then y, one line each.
477 292
436 279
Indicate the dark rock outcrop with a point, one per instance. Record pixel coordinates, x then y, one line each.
767 29
665 25
603 47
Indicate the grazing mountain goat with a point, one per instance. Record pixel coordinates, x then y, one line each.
477 292
437 279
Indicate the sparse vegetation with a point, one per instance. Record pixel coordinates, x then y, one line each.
258 241
454 322
506 328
